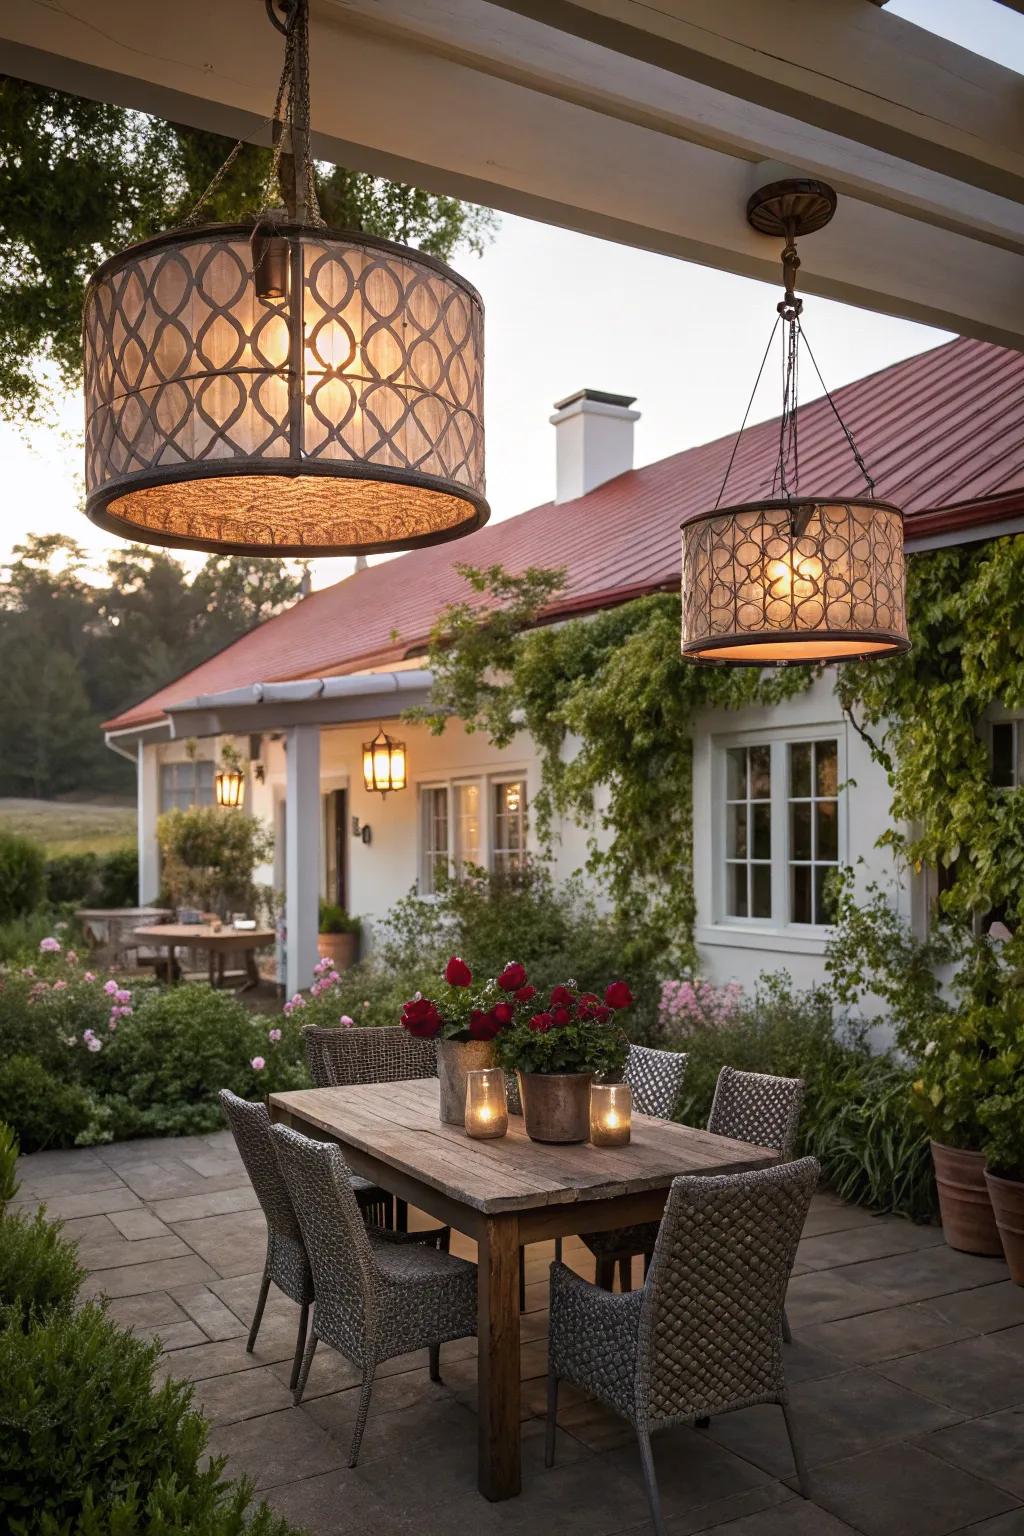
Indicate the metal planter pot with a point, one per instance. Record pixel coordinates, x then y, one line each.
556 1105
454 1059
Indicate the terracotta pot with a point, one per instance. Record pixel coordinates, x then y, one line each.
341 949
454 1059
1007 1197
556 1105
964 1205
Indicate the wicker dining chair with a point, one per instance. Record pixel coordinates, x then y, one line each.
339 1058
378 1294
702 1335
764 1110
656 1078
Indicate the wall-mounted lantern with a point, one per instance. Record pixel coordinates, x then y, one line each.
384 764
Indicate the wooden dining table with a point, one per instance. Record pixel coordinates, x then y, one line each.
217 942
503 1193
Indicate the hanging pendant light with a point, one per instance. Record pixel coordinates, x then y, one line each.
384 764
277 387
794 578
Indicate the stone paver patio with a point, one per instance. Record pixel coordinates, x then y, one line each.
907 1378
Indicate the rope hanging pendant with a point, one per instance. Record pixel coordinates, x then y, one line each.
277 387
794 578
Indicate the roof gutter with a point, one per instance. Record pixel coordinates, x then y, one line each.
350 699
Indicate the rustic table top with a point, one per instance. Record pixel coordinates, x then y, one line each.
204 937
398 1123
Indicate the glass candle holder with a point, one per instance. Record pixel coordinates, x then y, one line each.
486 1104
611 1113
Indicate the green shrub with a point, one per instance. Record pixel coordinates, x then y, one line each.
8 1165
45 1111
38 1269
118 878
20 938
72 877
90 1449
334 919
22 876
161 1071
208 857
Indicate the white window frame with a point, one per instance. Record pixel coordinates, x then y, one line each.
495 781
425 855
193 765
485 783
780 923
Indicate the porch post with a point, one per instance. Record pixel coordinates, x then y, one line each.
302 855
148 809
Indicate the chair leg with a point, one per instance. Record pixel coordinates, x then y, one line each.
435 1362
522 1279
604 1272
307 1361
552 1424
798 1458
787 1332
650 1481
401 1216
364 1408
257 1317
300 1345
625 1273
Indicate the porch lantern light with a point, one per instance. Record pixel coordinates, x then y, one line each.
229 787
794 578
278 387
384 764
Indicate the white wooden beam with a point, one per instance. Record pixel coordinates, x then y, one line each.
302 855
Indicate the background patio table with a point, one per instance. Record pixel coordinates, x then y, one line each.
217 942
503 1193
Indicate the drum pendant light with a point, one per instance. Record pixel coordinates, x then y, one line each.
794 578
278 387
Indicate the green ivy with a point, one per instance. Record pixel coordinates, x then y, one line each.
610 703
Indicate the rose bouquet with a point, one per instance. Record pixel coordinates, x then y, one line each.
572 1032
461 1012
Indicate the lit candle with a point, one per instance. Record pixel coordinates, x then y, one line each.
486 1104
611 1110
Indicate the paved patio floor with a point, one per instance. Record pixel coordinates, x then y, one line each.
907 1376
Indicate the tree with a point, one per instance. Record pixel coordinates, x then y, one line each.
81 179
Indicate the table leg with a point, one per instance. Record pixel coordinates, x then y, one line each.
210 961
498 1473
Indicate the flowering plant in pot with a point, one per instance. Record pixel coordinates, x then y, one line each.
338 939
466 1020
558 1049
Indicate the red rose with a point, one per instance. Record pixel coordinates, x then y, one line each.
601 1013
541 1023
512 977
618 995
457 973
562 996
483 1026
589 997
560 1015
523 994
504 1013
421 1018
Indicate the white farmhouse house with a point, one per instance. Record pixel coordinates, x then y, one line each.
781 795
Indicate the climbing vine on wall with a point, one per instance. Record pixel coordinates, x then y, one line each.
610 703
923 713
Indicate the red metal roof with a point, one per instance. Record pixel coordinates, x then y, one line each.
943 434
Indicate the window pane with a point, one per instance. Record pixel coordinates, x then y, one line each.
800 829
736 899
736 773
800 769
824 905
826 830
1003 765
762 892
801 893
760 773
736 832
467 817
509 825
435 837
826 762
762 818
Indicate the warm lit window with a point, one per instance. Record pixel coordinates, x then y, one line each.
434 837
467 824
813 828
509 840
748 832
183 785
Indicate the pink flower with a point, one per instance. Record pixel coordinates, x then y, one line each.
89 976
111 988
123 997
87 1034
274 1034
94 1044
49 946
298 1001
346 1022
60 986
257 1063
71 957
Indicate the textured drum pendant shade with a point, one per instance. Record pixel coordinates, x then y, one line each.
794 578
278 387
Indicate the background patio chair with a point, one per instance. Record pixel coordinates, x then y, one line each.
656 1078
378 1294
339 1058
751 1106
702 1336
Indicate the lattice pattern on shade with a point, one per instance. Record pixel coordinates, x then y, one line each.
755 592
192 431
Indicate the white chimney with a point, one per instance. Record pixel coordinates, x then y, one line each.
593 440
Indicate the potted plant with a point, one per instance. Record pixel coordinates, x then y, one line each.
558 1050
338 939
465 1023
1002 1118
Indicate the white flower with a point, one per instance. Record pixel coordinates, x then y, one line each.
94 1044
931 1047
